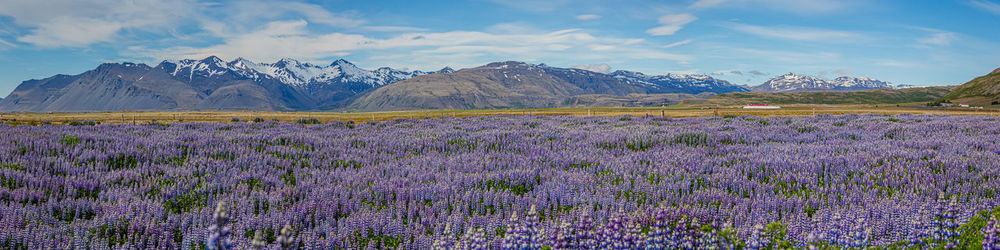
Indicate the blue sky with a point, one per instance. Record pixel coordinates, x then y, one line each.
921 42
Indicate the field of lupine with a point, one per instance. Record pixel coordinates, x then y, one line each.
506 182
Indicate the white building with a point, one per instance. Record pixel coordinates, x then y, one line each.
760 106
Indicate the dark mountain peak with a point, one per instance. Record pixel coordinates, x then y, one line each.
212 60
445 70
123 66
627 73
507 64
285 62
240 63
342 62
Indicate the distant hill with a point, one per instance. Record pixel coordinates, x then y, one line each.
878 96
984 90
523 85
801 83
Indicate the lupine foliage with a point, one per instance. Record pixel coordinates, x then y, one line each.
497 181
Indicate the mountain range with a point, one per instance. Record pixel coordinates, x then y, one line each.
207 84
290 85
522 85
801 83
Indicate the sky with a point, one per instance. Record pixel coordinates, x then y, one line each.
919 42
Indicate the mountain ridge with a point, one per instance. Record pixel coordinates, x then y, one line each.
514 84
207 84
792 82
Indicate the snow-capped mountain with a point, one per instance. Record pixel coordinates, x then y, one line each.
801 83
290 71
514 84
680 83
291 85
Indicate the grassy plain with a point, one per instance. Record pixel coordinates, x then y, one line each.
667 111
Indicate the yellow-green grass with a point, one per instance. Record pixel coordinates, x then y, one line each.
667 111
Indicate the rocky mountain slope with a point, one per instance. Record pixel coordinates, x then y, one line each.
207 84
288 84
984 90
800 83
523 85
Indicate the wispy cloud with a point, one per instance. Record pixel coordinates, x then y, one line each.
700 4
798 33
678 43
985 5
70 23
599 68
801 7
293 39
393 28
671 24
791 57
587 17
7 44
939 39
843 72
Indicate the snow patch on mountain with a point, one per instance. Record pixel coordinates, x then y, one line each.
799 83
293 72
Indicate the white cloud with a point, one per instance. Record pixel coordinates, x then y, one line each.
602 47
843 72
7 44
276 40
939 39
633 41
800 7
798 33
599 68
706 3
72 32
254 11
790 57
587 17
79 23
72 23
292 39
894 63
535 6
671 24
393 29
986 6
677 43
685 72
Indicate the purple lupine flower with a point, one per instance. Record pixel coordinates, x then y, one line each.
444 239
991 234
286 238
585 236
859 234
758 238
221 229
659 231
512 239
563 236
258 240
